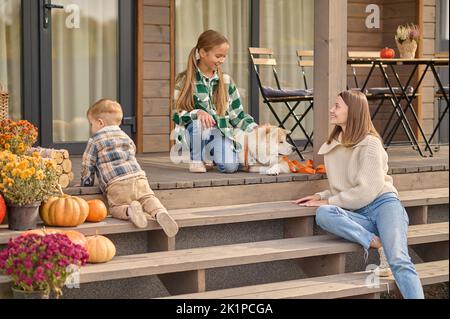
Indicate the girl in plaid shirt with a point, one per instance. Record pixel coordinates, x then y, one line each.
209 108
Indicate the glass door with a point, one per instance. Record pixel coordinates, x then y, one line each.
81 46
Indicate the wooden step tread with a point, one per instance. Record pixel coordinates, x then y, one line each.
241 254
236 213
326 287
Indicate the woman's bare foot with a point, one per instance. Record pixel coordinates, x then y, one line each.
376 242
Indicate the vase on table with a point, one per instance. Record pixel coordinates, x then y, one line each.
407 49
23 217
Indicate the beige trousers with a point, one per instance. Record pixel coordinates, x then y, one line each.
120 194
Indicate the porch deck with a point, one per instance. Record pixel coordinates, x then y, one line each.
163 174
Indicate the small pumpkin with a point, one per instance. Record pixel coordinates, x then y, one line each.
2 209
100 249
64 211
97 211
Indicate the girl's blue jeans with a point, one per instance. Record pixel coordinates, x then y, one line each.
387 218
211 145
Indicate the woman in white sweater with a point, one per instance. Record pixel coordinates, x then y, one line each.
362 203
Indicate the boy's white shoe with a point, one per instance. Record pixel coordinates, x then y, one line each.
136 215
167 223
197 167
383 269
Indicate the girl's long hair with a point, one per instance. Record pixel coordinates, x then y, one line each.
359 123
185 102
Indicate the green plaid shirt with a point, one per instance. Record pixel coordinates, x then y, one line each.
234 118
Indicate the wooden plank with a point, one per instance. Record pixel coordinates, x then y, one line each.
260 61
162 3
156 34
417 215
260 51
306 63
156 52
156 15
156 107
238 254
323 265
156 89
305 53
156 143
184 282
155 125
299 223
156 70
334 286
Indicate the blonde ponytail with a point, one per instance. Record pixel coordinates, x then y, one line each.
185 101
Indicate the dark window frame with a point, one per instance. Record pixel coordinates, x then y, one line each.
36 70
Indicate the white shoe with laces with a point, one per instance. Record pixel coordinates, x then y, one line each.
197 167
383 269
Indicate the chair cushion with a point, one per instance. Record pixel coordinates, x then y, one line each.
385 90
271 92
445 90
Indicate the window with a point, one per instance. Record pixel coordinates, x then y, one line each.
10 54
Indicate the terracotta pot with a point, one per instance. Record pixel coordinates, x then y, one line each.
20 294
23 217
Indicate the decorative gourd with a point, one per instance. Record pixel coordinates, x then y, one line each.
76 237
2 209
100 249
64 211
97 211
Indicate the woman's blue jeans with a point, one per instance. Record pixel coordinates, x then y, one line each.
211 145
387 218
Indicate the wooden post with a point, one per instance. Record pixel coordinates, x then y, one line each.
418 215
158 241
184 282
330 64
323 265
298 227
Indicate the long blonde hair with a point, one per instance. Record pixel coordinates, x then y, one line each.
185 102
359 124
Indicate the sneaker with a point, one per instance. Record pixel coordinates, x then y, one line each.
136 215
197 167
383 270
167 223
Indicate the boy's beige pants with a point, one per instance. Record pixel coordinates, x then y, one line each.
120 194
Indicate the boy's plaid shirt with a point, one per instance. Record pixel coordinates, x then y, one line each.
234 118
110 154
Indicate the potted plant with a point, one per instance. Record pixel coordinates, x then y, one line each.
17 137
407 37
25 181
39 265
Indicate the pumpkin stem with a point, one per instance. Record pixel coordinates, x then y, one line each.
60 190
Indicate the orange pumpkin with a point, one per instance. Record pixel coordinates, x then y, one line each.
64 211
76 237
97 211
100 249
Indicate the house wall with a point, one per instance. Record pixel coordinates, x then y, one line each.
155 127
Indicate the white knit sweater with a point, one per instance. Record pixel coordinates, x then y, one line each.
357 175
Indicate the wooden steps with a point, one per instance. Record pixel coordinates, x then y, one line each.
415 201
325 287
194 262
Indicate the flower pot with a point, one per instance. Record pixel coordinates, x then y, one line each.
40 294
407 49
23 217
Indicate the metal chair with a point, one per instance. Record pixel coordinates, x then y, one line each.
263 57
382 94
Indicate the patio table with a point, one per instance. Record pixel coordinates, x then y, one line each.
381 64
